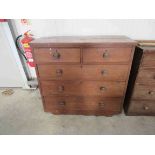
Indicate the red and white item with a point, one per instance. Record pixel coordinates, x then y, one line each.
27 49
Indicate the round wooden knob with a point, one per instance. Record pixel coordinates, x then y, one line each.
62 103
56 55
105 54
146 107
59 72
101 104
150 92
104 72
102 88
61 88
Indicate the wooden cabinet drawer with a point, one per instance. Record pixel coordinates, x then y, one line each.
149 59
103 55
84 88
85 72
141 107
82 103
144 92
146 76
57 55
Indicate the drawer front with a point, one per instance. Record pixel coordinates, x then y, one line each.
86 72
146 76
83 88
149 59
142 107
102 55
82 103
144 92
57 55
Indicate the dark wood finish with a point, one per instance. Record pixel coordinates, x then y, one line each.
77 76
146 75
82 103
142 107
103 55
85 72
57 55
146 92
83 88
141 86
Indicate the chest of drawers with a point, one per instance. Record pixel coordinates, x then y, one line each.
140 96
83 75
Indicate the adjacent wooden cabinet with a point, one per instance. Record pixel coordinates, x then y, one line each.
83 75
140 96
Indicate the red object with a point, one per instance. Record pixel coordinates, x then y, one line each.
3 20
27 49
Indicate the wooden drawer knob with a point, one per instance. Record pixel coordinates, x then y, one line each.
62 103
150 92
104 72
146 108
105 54
61 88
56 55
59 72
102 88
101 104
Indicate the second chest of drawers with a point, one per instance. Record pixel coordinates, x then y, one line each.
140 96
83 75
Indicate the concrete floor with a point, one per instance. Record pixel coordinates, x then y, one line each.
22 113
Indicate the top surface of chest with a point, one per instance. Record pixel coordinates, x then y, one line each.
83 41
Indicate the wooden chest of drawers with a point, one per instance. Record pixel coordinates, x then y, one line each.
83 75
140 96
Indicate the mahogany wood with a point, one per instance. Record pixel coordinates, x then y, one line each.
84 75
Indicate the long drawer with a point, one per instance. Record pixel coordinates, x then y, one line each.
142 107
102 55
57 55
146 75
144 92
84 88
82 103
85 72
149 59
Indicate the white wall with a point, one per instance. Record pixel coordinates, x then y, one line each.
134 28
10 73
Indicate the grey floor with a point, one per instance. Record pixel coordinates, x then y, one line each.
22 113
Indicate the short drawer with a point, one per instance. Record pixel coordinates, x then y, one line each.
149 59
103 55
146 75
83 88
144 92
85 72
141 107
82 103
57 55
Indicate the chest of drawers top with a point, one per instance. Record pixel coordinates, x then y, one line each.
72 41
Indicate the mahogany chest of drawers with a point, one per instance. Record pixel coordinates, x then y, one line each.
140 96
83 75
